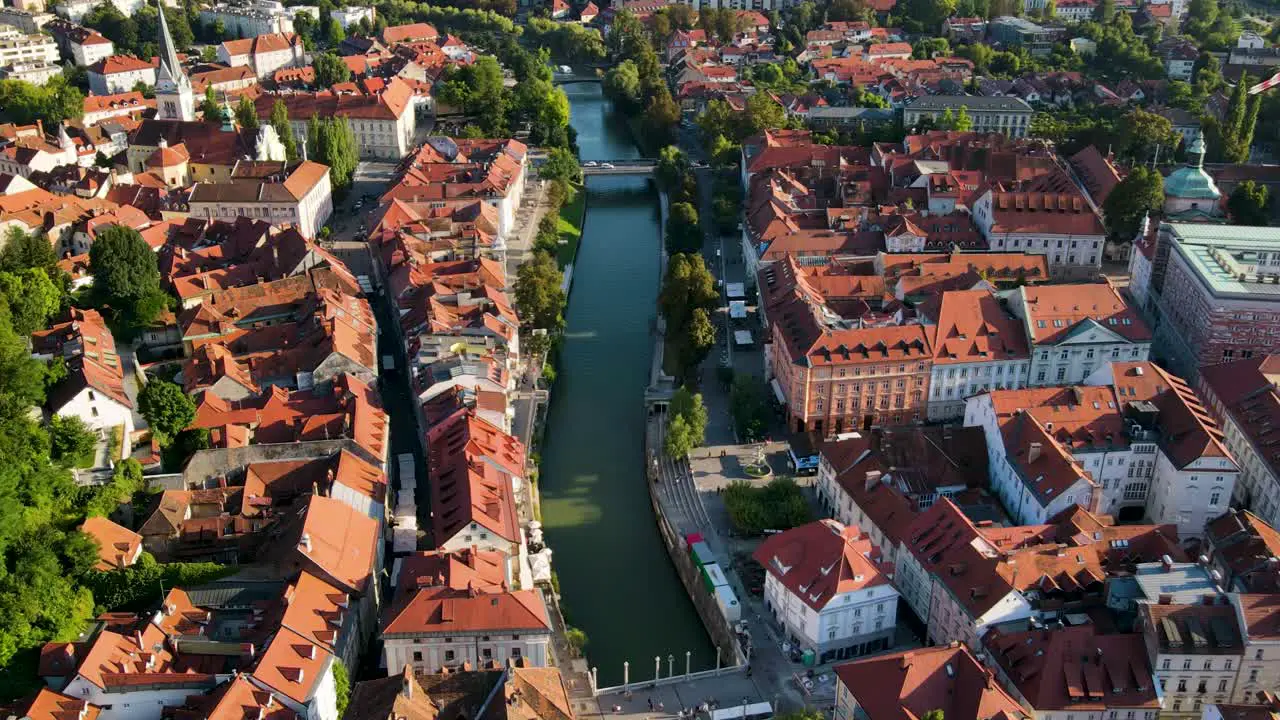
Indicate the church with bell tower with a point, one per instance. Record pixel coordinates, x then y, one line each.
175 99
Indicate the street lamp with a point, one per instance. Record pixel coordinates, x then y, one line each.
687 654
671 661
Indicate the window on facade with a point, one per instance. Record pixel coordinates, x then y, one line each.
1182 686
1222 686
449 655
1208 664
1165 665
1186 664
417 656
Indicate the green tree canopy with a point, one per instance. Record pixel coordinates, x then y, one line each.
683 233
31 297
167 408
124 267
330 70
23 250
538 294
72 443
280 122
1249 204
1141 192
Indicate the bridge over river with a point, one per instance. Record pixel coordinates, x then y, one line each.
641 166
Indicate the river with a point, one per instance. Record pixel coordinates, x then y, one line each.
616 580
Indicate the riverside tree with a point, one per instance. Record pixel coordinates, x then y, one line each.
538 294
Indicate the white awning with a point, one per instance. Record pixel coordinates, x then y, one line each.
735 290
742 337
777 391
737 309
737 712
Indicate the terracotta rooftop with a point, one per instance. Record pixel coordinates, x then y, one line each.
117 546
1075 668
1056 312
1192 629
907 685
821 560
460 592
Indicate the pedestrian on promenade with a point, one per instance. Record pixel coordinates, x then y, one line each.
650 704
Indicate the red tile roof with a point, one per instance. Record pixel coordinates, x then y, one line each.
971 326
1261 615
50 705
1043 213
1248 547
821 560
907 685
1075 669
461 592
118 546
1055 311
1171 628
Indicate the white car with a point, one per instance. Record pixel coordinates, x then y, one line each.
607 166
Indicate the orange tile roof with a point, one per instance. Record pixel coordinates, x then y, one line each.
971 326
293 666
1248 547
461 592
821 560
1044 213
271 42
1055 311
316 610
50 705
117 546
1217 624
120 64
907 685
472 466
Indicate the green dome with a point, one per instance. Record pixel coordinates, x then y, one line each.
1193 183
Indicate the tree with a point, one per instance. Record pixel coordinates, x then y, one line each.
933 715
209 54
247 114
672 166
622 85
699 337
167 408
124 269
678 442
210 108
683 233
342 687
1105 11
688 286
280 122
926 15
1249 204
849 10
538 293
52 103
1140 193
981 55
1141 132
72 443
763 113
723 152
748 407
688 405
331 141
31 299
330 70
963 123
333 33
661 116
561 166
23 250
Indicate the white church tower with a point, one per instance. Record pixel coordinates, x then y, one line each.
175 100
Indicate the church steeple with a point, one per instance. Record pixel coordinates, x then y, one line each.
175 99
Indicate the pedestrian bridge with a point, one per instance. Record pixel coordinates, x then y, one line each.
642 166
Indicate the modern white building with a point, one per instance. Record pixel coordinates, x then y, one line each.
352 15
1258 616
828 590
17 47
36 73
261 17
119 74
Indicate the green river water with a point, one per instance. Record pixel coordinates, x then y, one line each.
616 580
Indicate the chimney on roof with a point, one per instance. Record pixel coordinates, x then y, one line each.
306 541
1033 452
873 477
1165 600
905 662
1166 562
137 637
